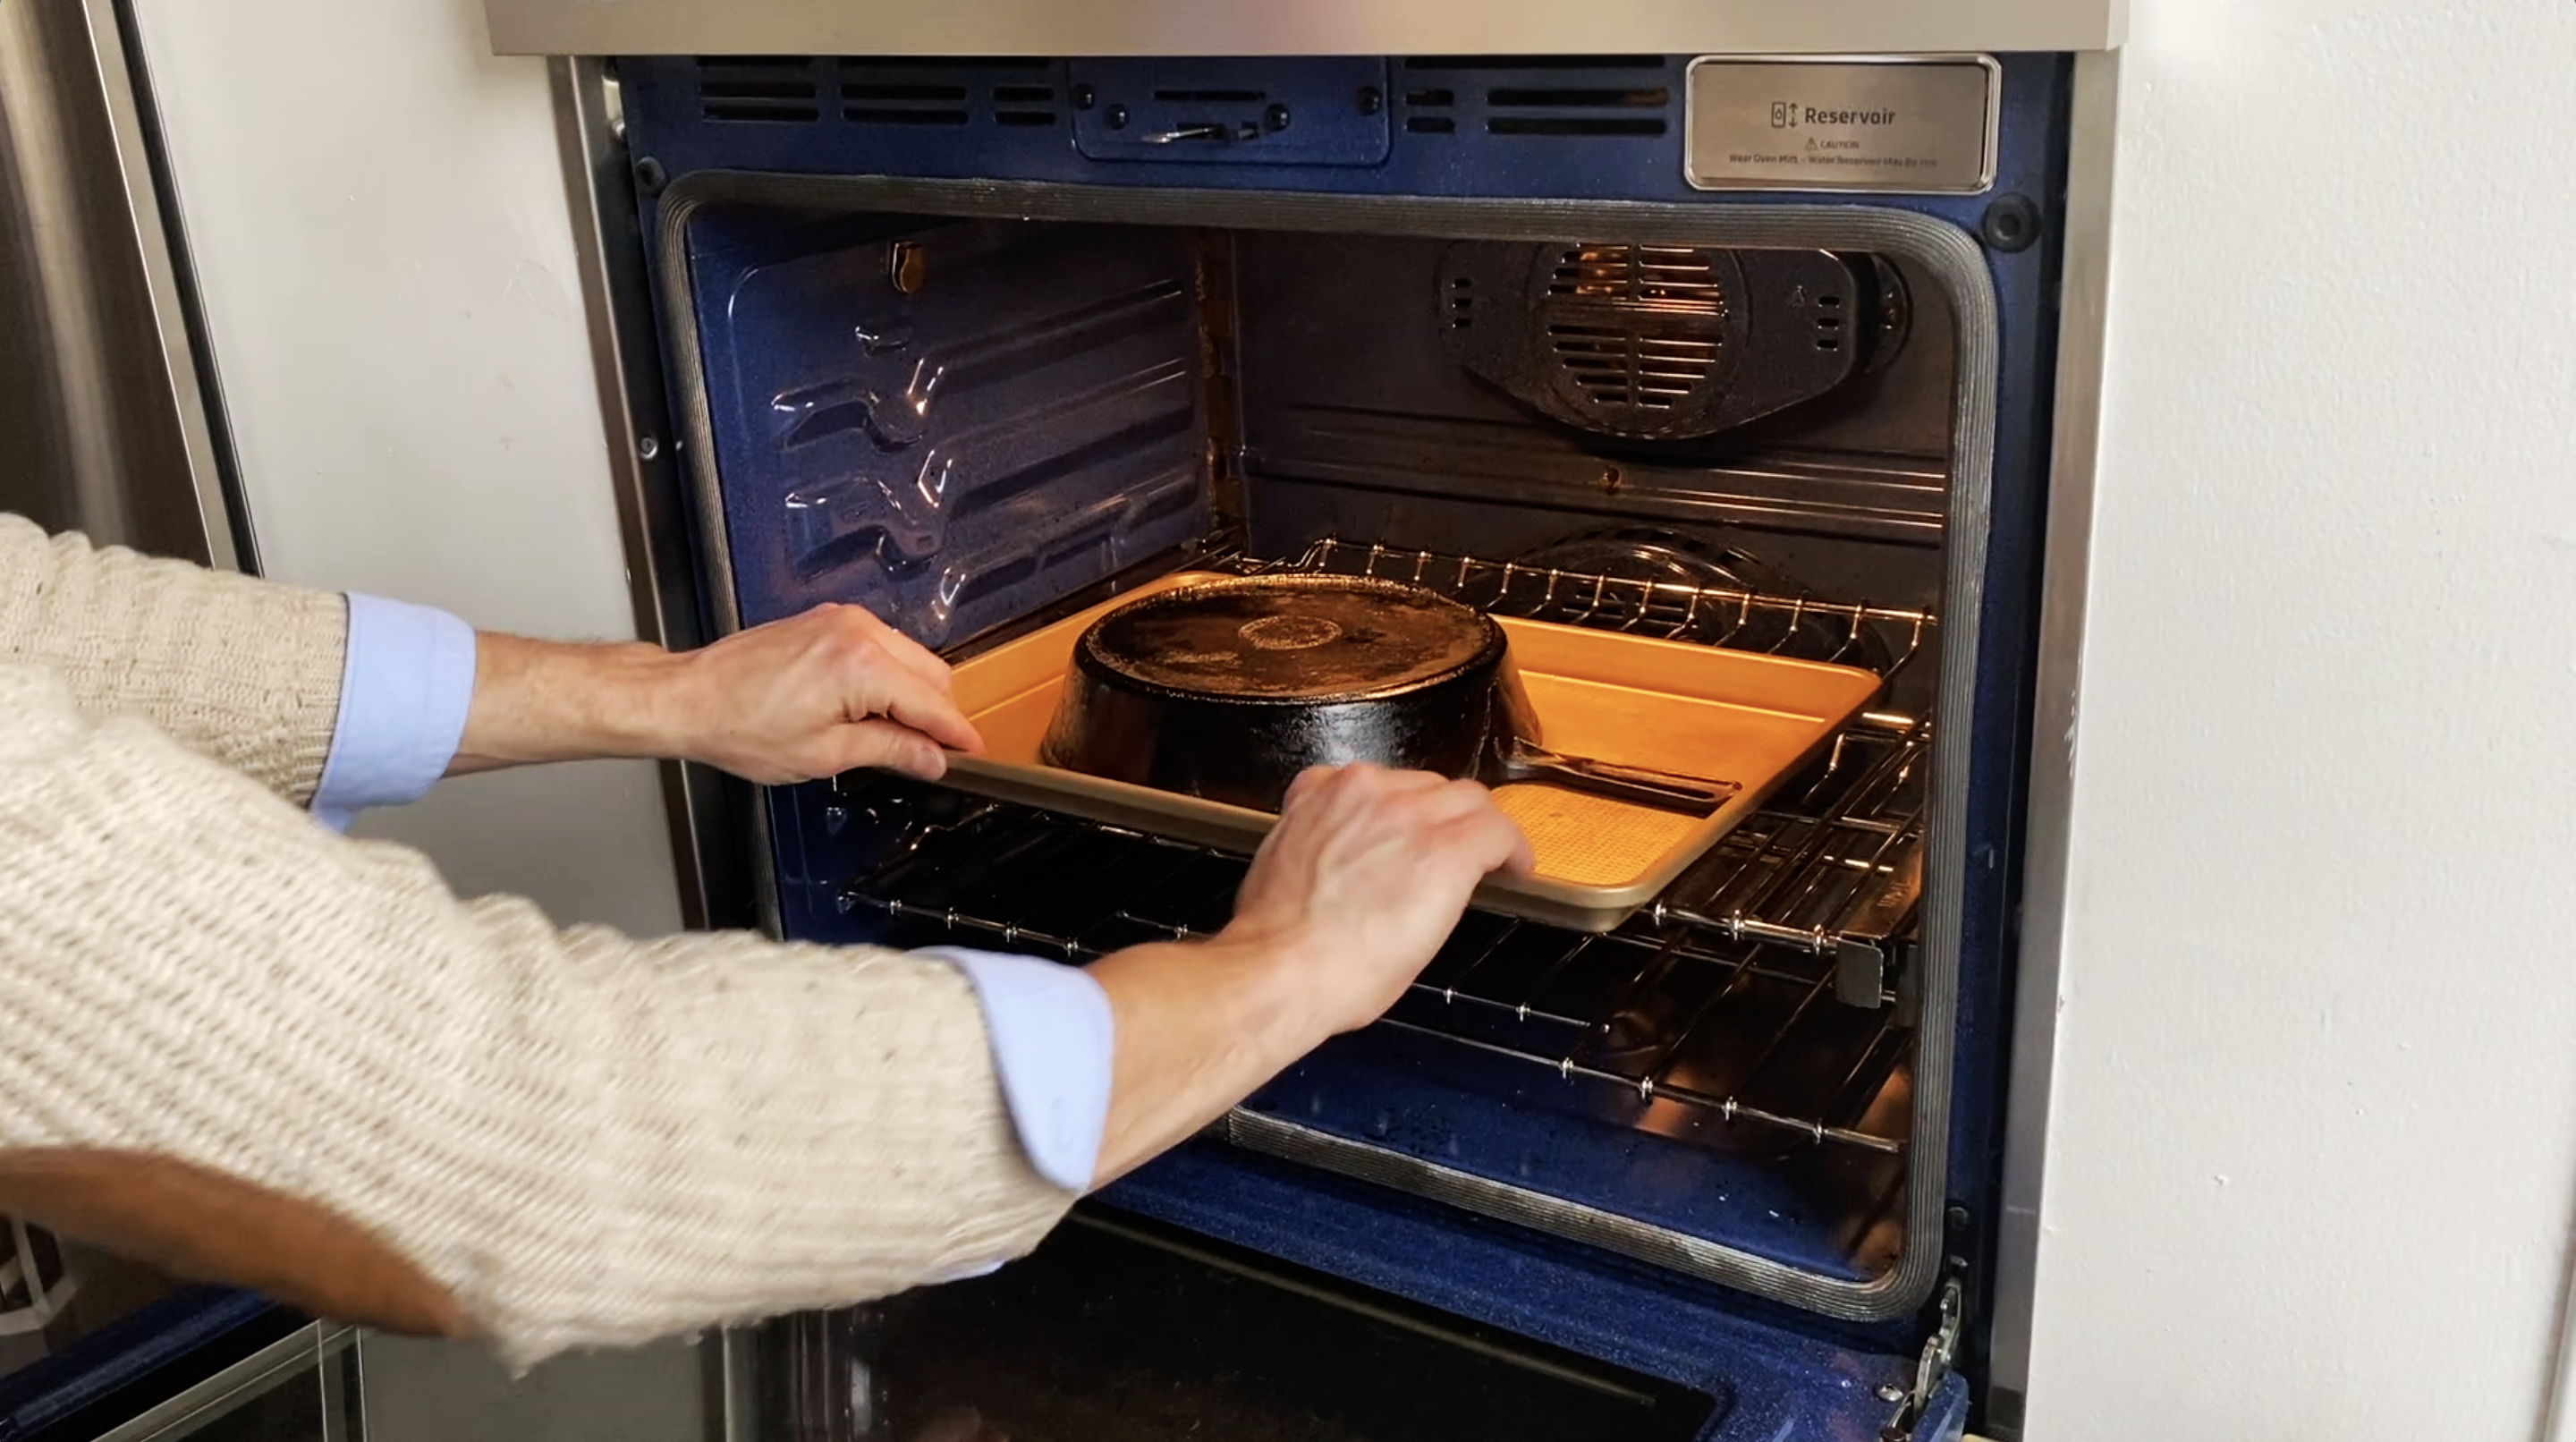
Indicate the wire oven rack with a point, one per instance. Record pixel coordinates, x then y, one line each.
1880 638
1765 989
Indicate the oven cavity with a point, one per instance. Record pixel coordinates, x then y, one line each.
981 426
1737 1061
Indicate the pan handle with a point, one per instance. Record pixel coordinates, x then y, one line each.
1663 790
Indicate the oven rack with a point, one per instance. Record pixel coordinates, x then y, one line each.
1837 873
1643 1009
1753 953
1883 639
1779 952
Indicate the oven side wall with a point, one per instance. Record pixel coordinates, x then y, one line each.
2309 1169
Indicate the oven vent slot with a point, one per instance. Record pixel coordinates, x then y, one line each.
936 91
1014 94
775 90
1599 96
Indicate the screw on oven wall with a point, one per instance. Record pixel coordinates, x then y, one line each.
650 177
1276 117
1372 100
2011 224
648 445
1117 117
1890 1392
1611 480
1084 97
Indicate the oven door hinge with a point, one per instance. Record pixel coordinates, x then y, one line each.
1931 1369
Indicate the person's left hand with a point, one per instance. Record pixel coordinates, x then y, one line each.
814 695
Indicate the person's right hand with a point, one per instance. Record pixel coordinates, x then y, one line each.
1352 894
1365 876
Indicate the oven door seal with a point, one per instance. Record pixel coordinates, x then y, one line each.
1945 253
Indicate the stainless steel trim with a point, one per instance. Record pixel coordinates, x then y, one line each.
1988 161
338 1378
154 246
302 1350
116 434
2057 694
652 506
1944 254
1314 27
625 361
738 1364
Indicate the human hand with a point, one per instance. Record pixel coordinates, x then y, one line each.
1352 893
813 695
1364 878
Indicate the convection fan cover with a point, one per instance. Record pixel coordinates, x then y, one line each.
1659 342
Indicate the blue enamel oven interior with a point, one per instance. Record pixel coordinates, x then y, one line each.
1056 439
1028 420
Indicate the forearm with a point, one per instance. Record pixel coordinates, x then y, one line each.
542 701
1199 1027
578 1138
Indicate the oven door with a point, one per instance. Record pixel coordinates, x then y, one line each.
205 1363
1124 1327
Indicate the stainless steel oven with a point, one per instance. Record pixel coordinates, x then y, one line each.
1739 330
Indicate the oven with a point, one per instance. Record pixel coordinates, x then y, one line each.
1658 337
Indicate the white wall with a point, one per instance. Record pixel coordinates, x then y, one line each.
377 217
378 222
2311 1163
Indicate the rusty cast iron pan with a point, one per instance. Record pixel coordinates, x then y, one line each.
1228 689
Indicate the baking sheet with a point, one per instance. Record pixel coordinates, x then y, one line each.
1745 717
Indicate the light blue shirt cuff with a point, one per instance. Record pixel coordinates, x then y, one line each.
405 687
1054 1041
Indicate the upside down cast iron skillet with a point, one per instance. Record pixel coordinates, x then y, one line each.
1228 689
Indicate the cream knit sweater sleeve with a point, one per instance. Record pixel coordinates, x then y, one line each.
587 1140
244 671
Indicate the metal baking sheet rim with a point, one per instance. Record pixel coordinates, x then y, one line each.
1989 162
1232 828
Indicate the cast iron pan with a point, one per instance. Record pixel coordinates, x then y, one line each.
1228 689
